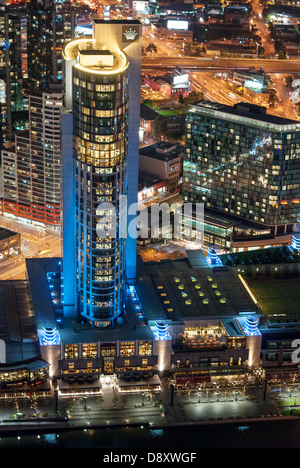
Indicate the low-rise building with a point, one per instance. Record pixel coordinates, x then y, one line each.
183 318
162 160
10 243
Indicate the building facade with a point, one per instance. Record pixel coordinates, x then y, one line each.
241 162
104 162
12 70
162 160
50 25
31 171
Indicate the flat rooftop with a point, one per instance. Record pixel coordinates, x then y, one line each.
251 112
162 151
6 234
37 271
177 291
71 330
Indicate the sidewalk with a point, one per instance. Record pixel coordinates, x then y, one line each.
114 409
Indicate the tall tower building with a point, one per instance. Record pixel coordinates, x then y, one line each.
100 123
50 25
31 168
31 172
12 66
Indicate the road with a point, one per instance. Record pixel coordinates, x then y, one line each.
263 31
36 242
219 64
285 107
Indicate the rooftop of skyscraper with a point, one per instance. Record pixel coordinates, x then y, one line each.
90 56
246 110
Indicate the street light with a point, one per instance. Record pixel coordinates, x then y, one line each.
199 394
143 398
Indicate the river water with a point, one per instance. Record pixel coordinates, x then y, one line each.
259 435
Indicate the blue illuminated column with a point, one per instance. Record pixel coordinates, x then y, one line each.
253 339
212 256
296 242
161 331
49 335
162 345
251 326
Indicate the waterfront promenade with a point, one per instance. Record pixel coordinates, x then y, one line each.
112 409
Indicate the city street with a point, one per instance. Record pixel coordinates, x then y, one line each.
36 242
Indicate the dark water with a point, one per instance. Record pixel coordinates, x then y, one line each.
261 435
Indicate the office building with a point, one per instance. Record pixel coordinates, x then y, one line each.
162 161
51 24
100 143
12 70
243 164
31 170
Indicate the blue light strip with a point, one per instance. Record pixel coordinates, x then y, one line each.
213 258
251 326
49 335
161 332
133 296
296 242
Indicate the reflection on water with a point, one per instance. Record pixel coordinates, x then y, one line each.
261 435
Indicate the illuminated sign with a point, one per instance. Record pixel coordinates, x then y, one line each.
253 84
2 352
83 31
130 33
180 79
141 7
179 25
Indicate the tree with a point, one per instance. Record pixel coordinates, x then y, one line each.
289 81
115 401
160 127
100 400
124 401
148 103
151 48
194 96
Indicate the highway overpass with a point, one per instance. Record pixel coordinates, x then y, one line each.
220 64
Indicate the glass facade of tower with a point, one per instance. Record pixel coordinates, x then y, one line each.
32 172
51 24
100 110
243 164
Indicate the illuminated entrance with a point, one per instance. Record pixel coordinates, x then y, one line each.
108 366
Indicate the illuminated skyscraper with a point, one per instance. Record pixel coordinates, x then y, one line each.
243 164
12 69
100 123
31 172
50 25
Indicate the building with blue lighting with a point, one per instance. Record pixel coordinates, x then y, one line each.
100 122
184 318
